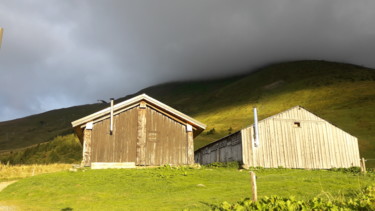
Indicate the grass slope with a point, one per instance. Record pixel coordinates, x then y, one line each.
343 94
12 173
39 128
172 188
62 149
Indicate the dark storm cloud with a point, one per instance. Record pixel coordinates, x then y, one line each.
63 53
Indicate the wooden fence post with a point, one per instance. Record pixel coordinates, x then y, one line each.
254 186
1 35
363 165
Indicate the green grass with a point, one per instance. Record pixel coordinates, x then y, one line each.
343 94
15 172
173 188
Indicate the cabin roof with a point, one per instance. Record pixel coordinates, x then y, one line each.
134 102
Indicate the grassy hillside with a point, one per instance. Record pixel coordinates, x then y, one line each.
62 149
168 188
39 128
343 94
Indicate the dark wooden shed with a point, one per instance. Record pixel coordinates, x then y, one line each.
140 131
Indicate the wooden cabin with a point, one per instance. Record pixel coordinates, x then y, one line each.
140 131
295 138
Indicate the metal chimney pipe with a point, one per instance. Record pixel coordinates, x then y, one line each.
256 132
111 117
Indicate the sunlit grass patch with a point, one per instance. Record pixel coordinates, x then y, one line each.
13 172
174 188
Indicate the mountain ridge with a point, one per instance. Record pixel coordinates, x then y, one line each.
343 94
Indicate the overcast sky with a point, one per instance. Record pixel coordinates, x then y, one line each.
60 53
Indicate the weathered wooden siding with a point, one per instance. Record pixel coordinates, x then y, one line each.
166 140
295 138
224 150
86 151
141 135
121 145
299 139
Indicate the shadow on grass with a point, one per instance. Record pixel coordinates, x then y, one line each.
67 209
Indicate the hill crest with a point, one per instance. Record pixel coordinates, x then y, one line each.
343 94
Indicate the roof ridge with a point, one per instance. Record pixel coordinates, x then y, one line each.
135 100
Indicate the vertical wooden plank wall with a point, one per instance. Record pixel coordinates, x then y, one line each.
226 149
141 135
299 139
247 147
190 145
167 140
121 145
144 135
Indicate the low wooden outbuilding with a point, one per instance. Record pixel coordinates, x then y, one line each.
295 138
140 131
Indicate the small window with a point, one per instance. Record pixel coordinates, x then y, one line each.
297 124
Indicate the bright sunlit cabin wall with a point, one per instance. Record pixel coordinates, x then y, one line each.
295 138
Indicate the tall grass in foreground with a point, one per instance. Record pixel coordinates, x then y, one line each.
364 200
11 172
